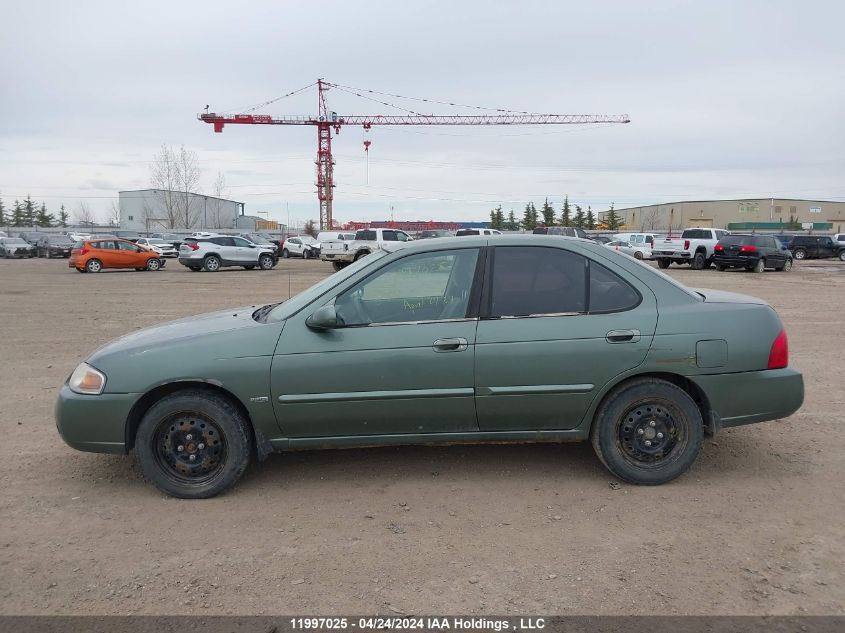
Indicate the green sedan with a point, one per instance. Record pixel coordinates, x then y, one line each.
493 339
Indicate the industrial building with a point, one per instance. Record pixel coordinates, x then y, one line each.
148 210
736 215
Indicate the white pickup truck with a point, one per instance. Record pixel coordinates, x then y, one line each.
694 247
343 253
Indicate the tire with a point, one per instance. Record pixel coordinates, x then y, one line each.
787 266
664 262
799 253
842 256
638 255
153 264
720 268
249 267
194 269
361 254
637 412
760 265
94 266
189 420
82 270
306 254
211 263
339 265
285 253
265 262
698 261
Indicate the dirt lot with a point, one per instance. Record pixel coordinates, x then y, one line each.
757 526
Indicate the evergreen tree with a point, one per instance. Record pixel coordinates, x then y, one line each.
513 225
612 219
566 214
793 224
63 216
18 218
529 218
496 218
548 212
42 218
580 219
3 219
29 211
591 218
500 217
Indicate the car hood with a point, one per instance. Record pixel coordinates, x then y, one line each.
721 296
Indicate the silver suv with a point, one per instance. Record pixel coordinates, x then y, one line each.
212 253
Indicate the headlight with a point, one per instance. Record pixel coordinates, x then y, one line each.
87 380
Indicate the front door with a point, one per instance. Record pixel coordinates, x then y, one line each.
401 363
555 327
245 252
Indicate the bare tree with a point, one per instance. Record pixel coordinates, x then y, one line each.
649 220
311 228
164 178
188 177
83 214
217 217
114 214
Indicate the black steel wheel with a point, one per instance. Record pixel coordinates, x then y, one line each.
698 261
664 262
339 265
193 444
648 431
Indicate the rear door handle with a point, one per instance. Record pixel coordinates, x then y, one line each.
623 336
450 345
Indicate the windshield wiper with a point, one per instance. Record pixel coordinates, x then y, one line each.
262 312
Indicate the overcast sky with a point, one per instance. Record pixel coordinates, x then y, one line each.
726 100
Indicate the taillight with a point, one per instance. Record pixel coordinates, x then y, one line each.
194 247
686 244
750 248
719 248
84 250
779 354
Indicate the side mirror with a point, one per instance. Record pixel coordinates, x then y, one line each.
323 319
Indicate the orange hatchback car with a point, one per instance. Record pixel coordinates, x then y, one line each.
93 255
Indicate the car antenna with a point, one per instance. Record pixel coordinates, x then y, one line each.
288 283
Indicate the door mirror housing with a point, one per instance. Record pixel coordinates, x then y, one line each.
323 319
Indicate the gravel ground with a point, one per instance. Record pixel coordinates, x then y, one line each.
756 527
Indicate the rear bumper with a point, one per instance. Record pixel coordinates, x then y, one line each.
754 396
657 254
737 261
337 257
95 424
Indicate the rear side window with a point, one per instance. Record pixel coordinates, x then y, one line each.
365 234
389 236
609 292
465 232
222 241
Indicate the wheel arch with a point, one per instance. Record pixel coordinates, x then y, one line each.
682 382
146 401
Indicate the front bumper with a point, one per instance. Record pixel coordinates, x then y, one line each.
752 396
95 424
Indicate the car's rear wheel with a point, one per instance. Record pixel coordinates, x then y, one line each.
285 253
211 263
361 254
94 266
759 266
265 262
648 431
193 444
664 262
153 264
698 261
339 265
638 255
799 253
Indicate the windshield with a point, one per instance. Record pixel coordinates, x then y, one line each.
159 242
302 299
14 241
257 239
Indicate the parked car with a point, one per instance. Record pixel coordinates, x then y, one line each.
816 247
694 247
637 251
174 239
569 231
163 247
425 235
400 348
839 238
100 253
600 239
277 241
303 246
213 253
54 246
129 236
76 237
30 237
468 232
260 240
337 236
366 242
16 247
784 238
752 252
639 238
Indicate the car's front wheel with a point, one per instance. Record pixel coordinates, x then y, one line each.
306 254
759 266
648 431
265 262
285 253
193 444
842 256
153 264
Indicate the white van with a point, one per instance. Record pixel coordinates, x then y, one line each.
638 239
335 236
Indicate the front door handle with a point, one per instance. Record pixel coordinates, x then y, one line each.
623 336
450 345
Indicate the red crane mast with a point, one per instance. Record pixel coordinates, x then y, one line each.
326 120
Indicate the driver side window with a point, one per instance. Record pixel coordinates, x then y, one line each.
426 287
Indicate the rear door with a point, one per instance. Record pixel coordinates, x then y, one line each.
555 327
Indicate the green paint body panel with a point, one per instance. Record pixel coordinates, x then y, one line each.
538 378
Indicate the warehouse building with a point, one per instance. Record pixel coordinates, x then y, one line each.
147 210
736 215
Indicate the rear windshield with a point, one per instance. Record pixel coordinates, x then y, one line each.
697 234
465 232
741 240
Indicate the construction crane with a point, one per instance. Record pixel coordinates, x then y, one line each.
326 120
